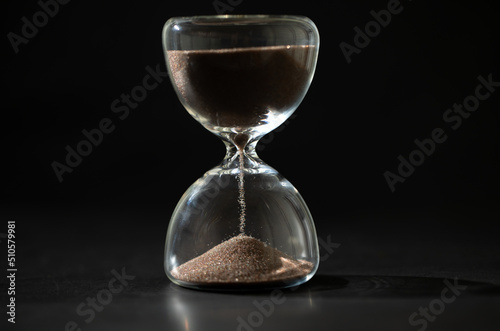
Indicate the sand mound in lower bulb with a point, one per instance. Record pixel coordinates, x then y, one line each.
241 260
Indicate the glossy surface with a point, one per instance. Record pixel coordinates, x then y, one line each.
372 277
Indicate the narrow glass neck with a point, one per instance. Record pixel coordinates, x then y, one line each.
247 154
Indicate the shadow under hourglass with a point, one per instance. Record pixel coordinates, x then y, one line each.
391 286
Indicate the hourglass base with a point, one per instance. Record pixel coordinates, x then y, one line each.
237 287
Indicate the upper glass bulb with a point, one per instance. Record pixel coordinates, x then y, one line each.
241 74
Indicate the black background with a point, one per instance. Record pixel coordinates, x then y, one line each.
355 121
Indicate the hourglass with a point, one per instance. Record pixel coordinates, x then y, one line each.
242 225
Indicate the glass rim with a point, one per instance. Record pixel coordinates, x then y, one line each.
238 19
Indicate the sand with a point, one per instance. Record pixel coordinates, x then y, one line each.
241 259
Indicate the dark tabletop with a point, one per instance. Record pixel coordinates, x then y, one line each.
376 273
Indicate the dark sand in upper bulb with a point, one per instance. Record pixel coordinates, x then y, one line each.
237 87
